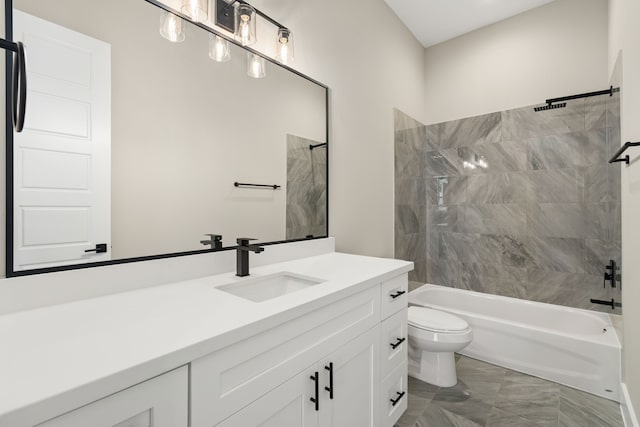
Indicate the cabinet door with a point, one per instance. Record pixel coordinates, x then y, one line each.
288 405
159 402
355 385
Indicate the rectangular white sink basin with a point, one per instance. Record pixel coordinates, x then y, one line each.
264 288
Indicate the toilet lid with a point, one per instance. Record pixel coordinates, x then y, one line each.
435 320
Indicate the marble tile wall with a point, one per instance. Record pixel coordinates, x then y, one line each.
410 194
306 189
519 203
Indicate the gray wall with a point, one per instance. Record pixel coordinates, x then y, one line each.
516 203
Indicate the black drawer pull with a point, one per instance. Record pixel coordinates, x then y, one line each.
397 294
397 343
315 399
99 249
330 388
395 401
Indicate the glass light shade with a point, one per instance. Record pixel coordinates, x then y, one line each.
196 10
256 66
246 25
284 46
172 27
218 49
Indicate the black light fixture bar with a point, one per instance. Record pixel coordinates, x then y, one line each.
258 12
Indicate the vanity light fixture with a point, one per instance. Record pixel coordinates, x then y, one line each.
218 48
284 46
195 10
256 66
246 24
171 27
244 27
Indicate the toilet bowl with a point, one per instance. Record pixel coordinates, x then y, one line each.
433 338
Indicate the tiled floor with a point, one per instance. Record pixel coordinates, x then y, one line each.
491 396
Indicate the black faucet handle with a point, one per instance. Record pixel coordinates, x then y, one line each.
256 248
244 241
215 237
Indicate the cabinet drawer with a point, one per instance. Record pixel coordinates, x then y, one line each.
394 389
159 402
394 295
393 342
224 382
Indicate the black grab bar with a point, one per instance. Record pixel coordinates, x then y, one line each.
616 157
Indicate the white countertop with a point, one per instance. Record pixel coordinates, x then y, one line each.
68 355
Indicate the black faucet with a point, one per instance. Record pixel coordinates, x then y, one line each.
242 255
215 241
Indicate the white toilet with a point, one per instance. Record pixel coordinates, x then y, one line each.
433 338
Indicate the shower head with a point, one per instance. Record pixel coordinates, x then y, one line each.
550 106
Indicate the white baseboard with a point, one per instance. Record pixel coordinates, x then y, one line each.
628 414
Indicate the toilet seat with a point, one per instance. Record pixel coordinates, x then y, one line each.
428 319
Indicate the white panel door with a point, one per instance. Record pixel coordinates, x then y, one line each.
288 405
356 383
159 402
62 159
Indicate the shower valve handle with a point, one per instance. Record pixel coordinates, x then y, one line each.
607 276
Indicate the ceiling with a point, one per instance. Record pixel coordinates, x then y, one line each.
434 21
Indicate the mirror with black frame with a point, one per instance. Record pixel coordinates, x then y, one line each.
133 143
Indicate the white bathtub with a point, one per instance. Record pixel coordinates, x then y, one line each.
574 347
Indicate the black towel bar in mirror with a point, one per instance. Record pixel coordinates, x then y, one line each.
242 184
616 157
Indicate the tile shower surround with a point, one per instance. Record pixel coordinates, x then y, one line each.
306 189
514 203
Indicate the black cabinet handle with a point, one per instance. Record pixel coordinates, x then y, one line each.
395 401
99 249
397 343
18 83
330 388
316 399
19 88
397 294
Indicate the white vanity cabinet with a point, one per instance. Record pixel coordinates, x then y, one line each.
394 349
158 402
343 385
332 356
342 349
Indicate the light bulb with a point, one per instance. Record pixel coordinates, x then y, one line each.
246 25
244 32
171 27
196 10
284 46
256 66
218 49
